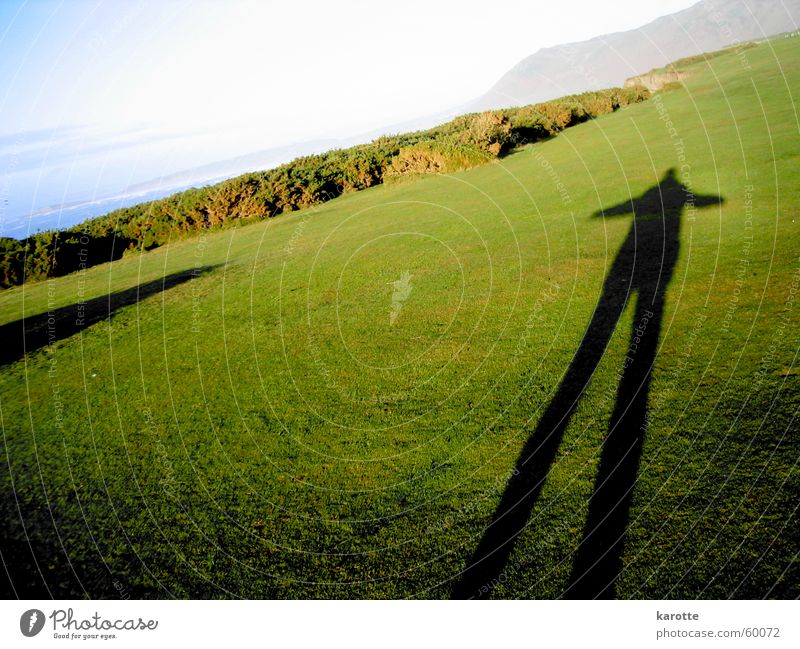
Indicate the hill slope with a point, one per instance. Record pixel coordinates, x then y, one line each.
608 60
333 403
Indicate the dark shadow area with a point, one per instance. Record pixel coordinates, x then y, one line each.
45 554
54 254
643 267
29 334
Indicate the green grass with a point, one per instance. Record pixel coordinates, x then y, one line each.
264 431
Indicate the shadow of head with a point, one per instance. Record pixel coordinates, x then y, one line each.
665 200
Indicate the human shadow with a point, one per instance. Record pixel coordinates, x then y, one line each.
643 266
29 334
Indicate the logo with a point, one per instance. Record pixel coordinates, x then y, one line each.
402 289
31 622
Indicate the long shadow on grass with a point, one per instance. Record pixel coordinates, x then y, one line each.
643 266
29 334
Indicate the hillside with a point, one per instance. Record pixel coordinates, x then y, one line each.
464 142
608 60
339 401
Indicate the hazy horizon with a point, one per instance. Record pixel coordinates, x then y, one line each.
103 97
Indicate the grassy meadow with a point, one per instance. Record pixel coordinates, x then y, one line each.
331 403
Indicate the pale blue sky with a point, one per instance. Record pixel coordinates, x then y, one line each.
96 96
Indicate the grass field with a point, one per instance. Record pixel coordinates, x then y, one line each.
333 403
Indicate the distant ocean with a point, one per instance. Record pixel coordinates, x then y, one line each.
65 216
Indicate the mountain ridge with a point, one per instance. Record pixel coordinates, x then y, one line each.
608 60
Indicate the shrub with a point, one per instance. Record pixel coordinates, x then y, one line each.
435 157
466 141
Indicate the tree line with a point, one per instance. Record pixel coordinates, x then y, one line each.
466 141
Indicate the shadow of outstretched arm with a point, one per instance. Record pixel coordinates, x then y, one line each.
29 334
642 269
667 198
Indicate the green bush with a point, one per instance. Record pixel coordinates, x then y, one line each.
436 157
466 141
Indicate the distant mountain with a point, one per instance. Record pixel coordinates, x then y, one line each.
608 60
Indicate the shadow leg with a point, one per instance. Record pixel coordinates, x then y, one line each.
539 452
599 557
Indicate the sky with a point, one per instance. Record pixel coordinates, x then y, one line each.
101 98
